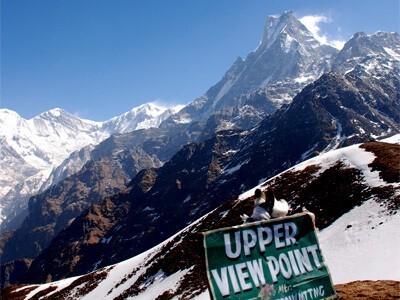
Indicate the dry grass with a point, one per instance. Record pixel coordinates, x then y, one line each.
369 290
10 293
387 160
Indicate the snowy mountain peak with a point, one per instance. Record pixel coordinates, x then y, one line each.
149 107
380 50
361 44
359 35
390 41
4 112
275 24
9 120
55 112
288 26
153 109
287 58
145 116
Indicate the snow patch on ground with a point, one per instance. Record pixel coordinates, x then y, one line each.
119 272
392 53
59 284
363 245
235 168
352 156
162 284
303 78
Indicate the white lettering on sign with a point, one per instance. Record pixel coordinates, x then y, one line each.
242 276
283 235
246 275
293 262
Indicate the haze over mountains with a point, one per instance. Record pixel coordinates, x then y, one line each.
103 199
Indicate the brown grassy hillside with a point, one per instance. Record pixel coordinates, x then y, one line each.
369 290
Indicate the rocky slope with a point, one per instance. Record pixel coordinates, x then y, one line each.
52 210
13 271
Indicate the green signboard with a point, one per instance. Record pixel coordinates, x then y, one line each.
276 259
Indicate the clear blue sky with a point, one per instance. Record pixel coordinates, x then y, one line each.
98 58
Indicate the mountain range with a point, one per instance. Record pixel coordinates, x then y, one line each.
31 150
289 100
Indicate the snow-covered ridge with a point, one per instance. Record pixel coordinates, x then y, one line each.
352 156
145 116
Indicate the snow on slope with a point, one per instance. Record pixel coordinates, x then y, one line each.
118 279
368 250
145 116
366 238
352 156
361 244
364 243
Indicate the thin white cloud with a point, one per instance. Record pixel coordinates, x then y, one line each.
312 23
168 103
82 115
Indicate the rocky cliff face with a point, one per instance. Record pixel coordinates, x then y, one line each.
57 207
14 272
